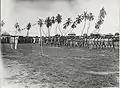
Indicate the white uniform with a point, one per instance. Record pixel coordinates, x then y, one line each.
34 39
14 42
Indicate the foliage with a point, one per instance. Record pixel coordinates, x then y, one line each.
40 22
67 23
100 18
73 25
79 18
53 19
28 26
48 22
2 23
58 18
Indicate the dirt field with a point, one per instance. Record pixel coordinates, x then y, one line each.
60 68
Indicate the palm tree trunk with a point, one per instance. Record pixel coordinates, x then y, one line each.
83 28
43 32
60 30
88 27
27 32
71 31
67 32
50 28
48 31
56 29
41 41
94 31
98 30
64 31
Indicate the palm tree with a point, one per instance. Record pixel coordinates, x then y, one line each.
1 25
48 24
66 24
68 21
17 26
102 13
90 18
79 18
73 26
53 21
40 23
100 19
85 17
58 20
28 28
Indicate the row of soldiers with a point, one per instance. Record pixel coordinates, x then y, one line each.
73 41
89 42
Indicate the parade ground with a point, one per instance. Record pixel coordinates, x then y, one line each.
60 67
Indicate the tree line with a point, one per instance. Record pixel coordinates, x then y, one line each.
50 21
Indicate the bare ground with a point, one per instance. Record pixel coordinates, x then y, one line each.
61 68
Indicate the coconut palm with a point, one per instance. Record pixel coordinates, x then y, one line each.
100 19
58 20
28 28
68 21
66 24
53 21
17 27
102 13
1 25
40 23
48 23
73 26
85 17
97 26
90 18
79 19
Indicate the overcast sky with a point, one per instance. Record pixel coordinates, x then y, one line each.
24 11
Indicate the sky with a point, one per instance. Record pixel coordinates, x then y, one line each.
25 11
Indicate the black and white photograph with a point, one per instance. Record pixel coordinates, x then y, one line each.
59 44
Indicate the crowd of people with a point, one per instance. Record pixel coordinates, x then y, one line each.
92 41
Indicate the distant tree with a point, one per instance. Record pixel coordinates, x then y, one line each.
85 17
28 28
66 24
100 19
90 18
53 22
58 20
48 23
79 19
40 23
53 19
73 26
1 25
17 27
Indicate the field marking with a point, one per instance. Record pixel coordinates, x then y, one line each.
100 73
